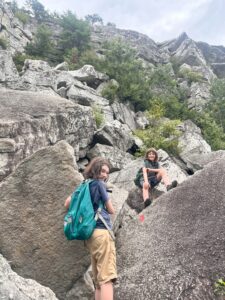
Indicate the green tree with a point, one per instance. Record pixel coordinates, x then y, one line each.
75 33
160 133
95 18
217 104
42 46
211 131
38 10
121 63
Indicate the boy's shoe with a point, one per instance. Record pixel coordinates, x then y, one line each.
172 185
147 202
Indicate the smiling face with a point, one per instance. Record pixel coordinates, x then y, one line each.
104 173
151 156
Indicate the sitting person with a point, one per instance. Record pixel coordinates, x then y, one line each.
153 174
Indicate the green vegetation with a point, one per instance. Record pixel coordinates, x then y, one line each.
190 75
161 133
22 16
42 46
98 115
219 287
92 19
3 43
38 10
75 33
120 62
154 90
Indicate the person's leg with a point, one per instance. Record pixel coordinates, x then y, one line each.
107 291
162 174
145 191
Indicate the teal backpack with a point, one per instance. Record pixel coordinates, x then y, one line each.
80 220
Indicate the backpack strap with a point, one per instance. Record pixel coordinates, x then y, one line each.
99 216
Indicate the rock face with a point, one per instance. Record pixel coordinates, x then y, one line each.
29 121
176 250
31 219
191 141
12 30
12 286
146 47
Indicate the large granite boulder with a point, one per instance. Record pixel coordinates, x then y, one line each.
12 286
175 248
31 219
124 114
117 158
198 161
8 71
115 134
29 121
89 75
191 141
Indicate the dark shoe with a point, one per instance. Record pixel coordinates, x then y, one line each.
147 202
172 185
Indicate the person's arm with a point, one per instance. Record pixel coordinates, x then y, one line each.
67 202
109 207
153 170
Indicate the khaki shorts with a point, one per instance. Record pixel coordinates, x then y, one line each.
103 256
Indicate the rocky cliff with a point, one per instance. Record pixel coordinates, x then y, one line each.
48 132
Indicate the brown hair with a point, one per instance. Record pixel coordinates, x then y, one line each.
94 168
154 151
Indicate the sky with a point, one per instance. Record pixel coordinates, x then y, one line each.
161 20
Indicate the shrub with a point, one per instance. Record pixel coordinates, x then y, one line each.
219 287
191 76
99 116
22 16
161 133
3 43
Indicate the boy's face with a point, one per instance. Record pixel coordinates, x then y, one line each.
151 156
104 172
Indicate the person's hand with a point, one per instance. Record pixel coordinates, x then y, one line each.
146 185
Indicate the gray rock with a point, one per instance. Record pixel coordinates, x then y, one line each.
89 75
191 141
30 121
196 162
146 47
12 30
175 249
62 67
12 286
8 71
199 96
125 114
31 214
118 159
115 134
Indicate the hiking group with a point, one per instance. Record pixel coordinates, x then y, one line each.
88 217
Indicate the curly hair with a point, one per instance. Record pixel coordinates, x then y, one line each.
154 151
94 168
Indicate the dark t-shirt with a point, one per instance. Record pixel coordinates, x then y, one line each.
151 165
99 193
